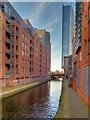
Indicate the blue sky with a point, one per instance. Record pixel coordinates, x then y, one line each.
46 15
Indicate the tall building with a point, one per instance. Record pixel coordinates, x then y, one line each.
45 40
82 51
67 31
23 56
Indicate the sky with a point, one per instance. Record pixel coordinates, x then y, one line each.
48 16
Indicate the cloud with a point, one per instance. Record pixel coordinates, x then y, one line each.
53 22
51 46
37 11
50 30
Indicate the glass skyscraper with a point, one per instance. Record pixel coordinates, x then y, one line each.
67 30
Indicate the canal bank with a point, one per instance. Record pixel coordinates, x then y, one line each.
39 102
63 108
12 90
70 104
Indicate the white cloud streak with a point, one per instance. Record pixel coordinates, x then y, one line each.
50 30
53 22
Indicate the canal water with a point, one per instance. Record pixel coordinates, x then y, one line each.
39 102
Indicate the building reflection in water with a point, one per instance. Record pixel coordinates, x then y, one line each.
39 102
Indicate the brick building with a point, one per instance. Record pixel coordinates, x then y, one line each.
74 59
68 66
23 56
82 50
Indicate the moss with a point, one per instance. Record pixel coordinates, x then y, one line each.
22 89
63 109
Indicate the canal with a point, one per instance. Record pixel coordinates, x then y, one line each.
39 102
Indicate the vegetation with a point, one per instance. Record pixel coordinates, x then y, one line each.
21 88
63 109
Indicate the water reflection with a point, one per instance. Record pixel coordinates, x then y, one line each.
39 102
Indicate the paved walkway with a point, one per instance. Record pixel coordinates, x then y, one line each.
25 86
78 109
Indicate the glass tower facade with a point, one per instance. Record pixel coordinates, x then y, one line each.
67 31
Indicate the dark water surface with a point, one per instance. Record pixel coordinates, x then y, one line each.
39 102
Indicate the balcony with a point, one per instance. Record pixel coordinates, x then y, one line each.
8 20
8 40
12 23
78 47
12 41
11 31
7 61
9 72
7 29
11 51
8 51
11 61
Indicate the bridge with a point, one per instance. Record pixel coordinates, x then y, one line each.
57 75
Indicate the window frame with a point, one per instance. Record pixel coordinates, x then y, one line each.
23 35
22 52
85 21
89 13
22 44
88 46
80 56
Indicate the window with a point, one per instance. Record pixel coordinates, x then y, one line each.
75 67
86 22
78 85
23 70
23 61
9 11
89 13
23 52
6 7
83 80
87 82
23 44
23 35
80 56
0 19
89 46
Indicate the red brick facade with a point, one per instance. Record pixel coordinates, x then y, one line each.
74 60
81 83
23 58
